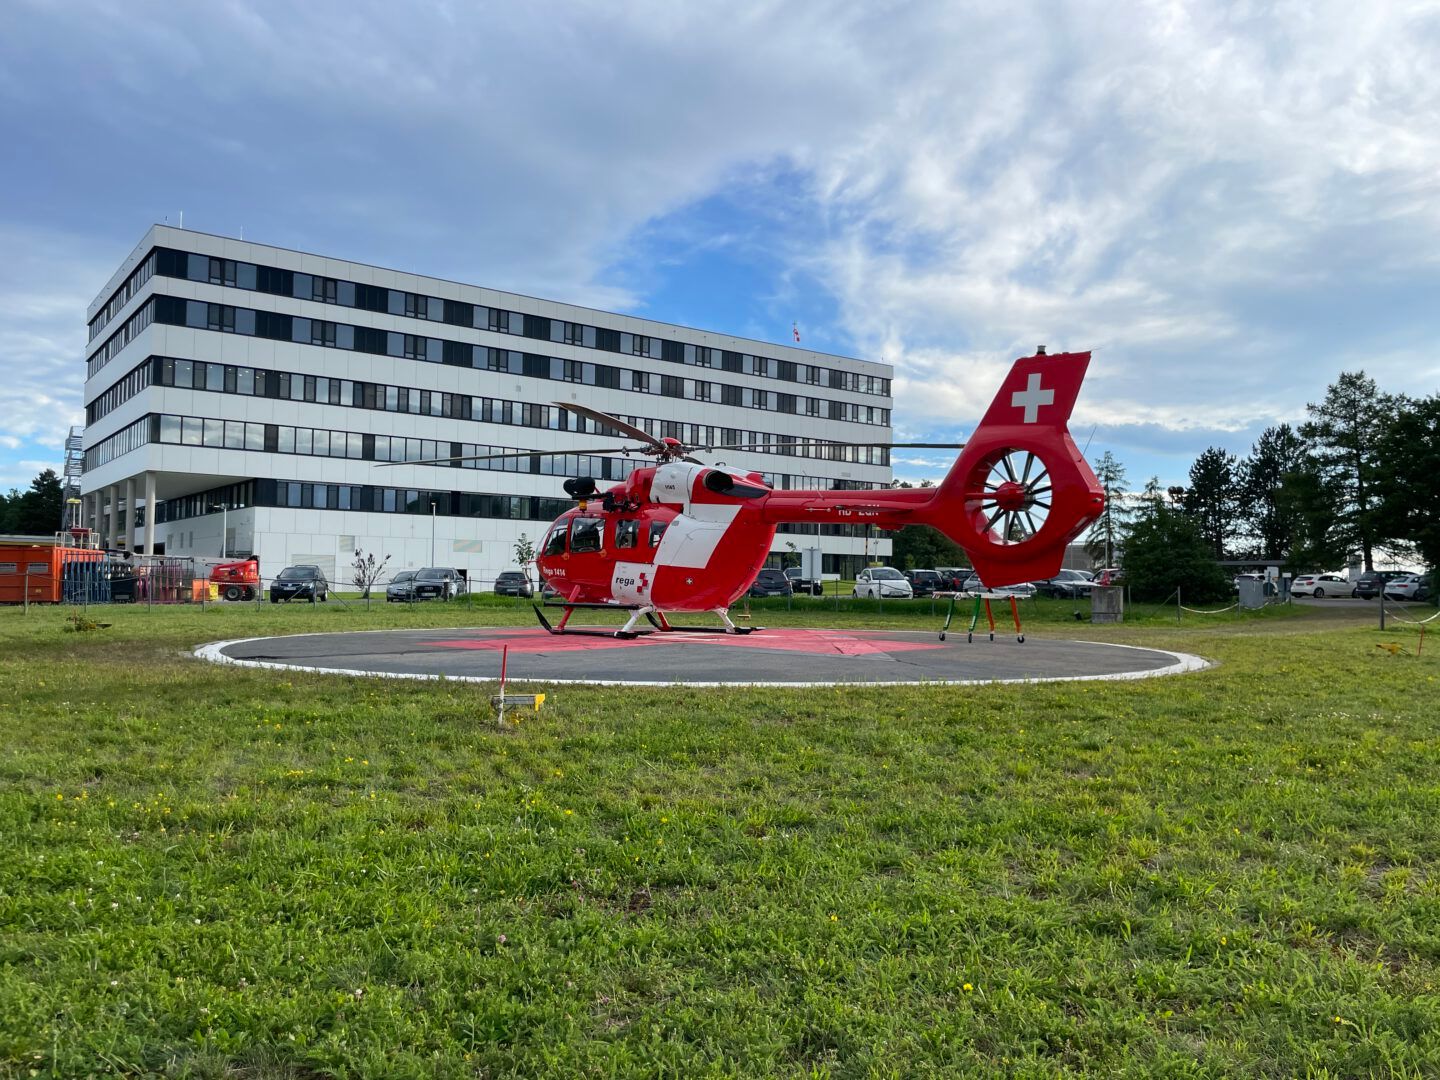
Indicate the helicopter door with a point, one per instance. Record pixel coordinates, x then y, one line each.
630 581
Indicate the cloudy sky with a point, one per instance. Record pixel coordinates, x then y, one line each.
1229 203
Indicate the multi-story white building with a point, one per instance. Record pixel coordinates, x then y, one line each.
284 388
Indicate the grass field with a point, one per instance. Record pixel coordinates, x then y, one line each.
221 872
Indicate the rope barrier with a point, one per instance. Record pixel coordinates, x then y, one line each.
1217 611
1413 622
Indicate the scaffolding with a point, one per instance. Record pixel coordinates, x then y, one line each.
72 513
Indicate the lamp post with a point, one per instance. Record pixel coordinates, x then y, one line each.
432 532
222 507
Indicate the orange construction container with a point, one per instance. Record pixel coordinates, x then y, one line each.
32 571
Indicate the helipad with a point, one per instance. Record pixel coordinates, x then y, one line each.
776 657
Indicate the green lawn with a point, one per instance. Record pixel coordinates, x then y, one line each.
208 871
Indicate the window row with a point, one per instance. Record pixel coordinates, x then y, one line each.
131 437
224 318
260 382
129 385
324 442
230 273
118 340
123 295
363 498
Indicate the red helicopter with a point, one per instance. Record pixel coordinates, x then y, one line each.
684 536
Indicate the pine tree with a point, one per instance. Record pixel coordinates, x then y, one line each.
1344 432
1212 499
1268 481
1103 539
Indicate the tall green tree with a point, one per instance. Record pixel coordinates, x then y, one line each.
1408 488
1104 537
1165 551
37 511
1213 499
1268 505
1344 432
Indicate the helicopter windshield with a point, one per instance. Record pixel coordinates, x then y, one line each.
555 542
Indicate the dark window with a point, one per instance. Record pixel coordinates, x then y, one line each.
673 351
657 530
585 534
730 361
271 324
555 543
609 340
372 298
627 533
458 354
537 327
368 339
458 314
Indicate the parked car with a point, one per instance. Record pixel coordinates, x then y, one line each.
924 582
1067 584
438 583
1409 587
1247 576
401 589
952 578
801 584
513 583
882 581
300 583
1368 585
1022 591
1320 585
770 582
548 591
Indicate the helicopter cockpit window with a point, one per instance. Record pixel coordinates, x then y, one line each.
555 542
657 530
627 533
585 534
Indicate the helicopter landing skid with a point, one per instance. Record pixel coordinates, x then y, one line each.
655 616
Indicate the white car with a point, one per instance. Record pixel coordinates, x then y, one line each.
1321 585
1409 587
882 581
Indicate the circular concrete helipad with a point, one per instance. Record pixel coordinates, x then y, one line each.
778 657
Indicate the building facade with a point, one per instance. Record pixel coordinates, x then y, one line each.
280 396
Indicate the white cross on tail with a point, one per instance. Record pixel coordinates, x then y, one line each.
1031 398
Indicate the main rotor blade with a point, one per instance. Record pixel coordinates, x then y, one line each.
521 454
832 442
613 422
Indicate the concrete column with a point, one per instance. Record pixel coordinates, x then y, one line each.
129 513
149 513
112 524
